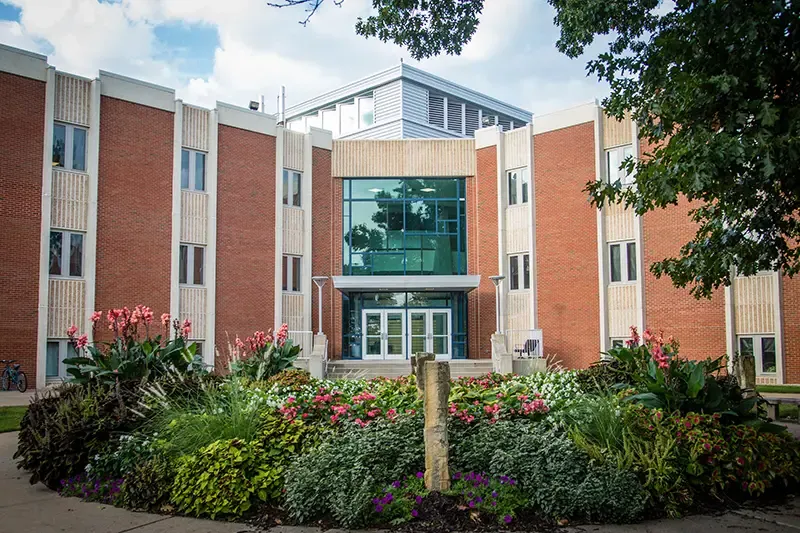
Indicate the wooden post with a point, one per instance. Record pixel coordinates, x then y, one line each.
436 395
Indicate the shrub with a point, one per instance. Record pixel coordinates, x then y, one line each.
122 455
130 355
557 477
340 477
292 378
222 478
498 496
147 486
264 356
63 429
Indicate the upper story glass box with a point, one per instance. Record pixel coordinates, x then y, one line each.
412 226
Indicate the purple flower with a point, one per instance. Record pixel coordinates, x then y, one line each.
471 503
457 476
420 475
414 512
479 499
494 494
418 500
494 503
507 519
389 497
376 501
396 484
379 508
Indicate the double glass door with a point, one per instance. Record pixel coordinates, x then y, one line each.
395 334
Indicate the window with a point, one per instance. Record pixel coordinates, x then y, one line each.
518 185
66 254
193 170
191 265
761 347
349 118
617 343
614 158
330 121
69 147
519 279
291 273
624 266
292 187
198 352
366 112
57 351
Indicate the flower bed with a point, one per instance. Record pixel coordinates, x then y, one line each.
648 435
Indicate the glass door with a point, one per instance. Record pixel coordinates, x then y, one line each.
384 334
440 333
372 326
395 334
430 332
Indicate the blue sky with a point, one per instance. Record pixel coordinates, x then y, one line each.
235 50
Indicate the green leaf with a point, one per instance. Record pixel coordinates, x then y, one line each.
696 382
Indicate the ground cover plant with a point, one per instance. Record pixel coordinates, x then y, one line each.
648 434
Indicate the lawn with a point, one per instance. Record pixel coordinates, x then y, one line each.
10 417
788 389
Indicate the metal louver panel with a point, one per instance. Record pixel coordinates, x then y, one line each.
436 110
505 123
472 122
454 116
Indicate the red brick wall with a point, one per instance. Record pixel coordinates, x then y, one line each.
566 245
699 325
326 259
245 236
791 329
21 148
482 252
134 206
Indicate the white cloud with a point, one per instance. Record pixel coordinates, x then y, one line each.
512 56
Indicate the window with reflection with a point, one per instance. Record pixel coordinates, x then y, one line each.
404 227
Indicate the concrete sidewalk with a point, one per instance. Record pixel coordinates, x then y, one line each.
35 509
12 398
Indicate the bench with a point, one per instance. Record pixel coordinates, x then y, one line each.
774 403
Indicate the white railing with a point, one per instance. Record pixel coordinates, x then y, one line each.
524 343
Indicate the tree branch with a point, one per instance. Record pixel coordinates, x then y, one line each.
311 6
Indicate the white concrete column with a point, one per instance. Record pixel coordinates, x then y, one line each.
602 259
279 139
90 243
44 241
307 286
533 298
641 266
730 322
502 195
779 340
177 141
211 240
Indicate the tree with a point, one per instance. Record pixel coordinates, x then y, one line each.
714 87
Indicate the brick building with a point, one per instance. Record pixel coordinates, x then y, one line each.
114 193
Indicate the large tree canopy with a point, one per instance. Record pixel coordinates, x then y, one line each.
714 87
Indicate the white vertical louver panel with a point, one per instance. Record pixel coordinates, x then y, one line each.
454 116
436 110
472 121
415 102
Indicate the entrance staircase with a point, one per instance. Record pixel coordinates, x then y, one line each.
393 369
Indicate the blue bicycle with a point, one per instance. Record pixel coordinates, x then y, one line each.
13 375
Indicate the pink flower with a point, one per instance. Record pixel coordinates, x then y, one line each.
147 314
283 334
72 330
96 316
82 341
634 340
239 343
186 328
165 320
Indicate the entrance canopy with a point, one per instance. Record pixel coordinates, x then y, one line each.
348 284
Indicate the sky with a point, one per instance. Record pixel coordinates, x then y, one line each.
236 50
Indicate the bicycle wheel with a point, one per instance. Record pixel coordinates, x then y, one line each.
4 381
22 382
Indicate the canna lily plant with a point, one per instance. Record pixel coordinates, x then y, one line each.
264 355
131 355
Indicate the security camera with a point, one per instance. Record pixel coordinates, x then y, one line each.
253 105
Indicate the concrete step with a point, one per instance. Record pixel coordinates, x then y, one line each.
392 369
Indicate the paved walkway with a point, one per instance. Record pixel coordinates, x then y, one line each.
35 509
10 398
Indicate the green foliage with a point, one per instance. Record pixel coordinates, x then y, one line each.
340 477
121 456
105 490
500 497
714 87
185 419
396 503
267 357
553 473
292 378
223 478
61 430
130 358
147 486
597 426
